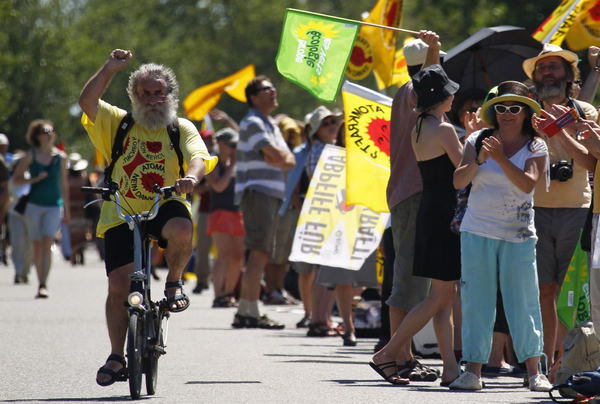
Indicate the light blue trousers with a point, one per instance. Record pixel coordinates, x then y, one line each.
484 262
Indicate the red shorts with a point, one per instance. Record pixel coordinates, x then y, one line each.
226 222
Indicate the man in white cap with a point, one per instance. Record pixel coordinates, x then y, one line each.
403 196
561 212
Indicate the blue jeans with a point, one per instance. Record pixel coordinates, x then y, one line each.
484 262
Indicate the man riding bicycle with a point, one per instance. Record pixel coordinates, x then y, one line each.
149 156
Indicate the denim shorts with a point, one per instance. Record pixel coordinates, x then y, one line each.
43 221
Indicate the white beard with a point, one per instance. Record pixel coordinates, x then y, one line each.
156 116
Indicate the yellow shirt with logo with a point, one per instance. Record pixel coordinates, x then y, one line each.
147 159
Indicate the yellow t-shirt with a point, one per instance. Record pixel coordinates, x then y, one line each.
147 159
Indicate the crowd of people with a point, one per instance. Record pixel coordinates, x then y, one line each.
486 211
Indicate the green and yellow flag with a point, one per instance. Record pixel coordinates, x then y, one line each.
314 50
573 306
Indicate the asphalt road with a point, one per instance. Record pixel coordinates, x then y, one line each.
51 350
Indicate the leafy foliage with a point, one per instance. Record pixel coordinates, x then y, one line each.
50 48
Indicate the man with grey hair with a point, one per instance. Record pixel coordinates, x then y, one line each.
560 210
148 158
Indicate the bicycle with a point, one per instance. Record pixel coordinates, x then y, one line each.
148 319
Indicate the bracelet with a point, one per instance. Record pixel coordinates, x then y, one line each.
477 161
191 176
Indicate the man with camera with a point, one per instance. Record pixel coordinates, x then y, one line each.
560 210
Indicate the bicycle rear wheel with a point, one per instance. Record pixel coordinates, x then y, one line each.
134 354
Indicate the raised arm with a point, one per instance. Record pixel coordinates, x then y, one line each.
590 85
97 84
433 51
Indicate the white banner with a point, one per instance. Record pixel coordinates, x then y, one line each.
329 232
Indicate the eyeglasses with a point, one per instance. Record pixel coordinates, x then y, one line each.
268 89
47 131
513 109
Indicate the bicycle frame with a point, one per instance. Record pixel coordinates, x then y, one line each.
142 309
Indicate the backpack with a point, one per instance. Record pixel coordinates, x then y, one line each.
117 150
581 353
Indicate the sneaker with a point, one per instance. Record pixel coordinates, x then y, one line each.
539 382
467 381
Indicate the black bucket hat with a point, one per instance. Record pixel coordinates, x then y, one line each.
432 86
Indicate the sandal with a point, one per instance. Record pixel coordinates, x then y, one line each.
225 301
393 378
115 376
322 330
173 300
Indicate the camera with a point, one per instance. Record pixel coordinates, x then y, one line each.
562 170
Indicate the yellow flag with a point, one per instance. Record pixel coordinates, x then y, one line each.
556 26
203 99
585 31
376 47
400 74
367 118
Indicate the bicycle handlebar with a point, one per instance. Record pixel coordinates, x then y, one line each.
112 190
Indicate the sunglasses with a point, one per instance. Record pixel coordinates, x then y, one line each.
327 122
513 109
47 131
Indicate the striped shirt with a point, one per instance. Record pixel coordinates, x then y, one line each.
252 172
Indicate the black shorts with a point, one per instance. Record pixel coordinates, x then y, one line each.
118 241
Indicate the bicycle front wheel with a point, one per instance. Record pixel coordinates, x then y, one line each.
134 354
151 361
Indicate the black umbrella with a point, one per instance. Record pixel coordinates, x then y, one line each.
490 56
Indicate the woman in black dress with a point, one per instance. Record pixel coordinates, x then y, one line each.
437 250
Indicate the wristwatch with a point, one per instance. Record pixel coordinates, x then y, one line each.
191 176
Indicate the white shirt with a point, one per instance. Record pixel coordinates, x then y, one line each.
497 209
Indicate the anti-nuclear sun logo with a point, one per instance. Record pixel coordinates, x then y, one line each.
379 132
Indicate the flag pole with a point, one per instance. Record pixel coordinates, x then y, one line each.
407 31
